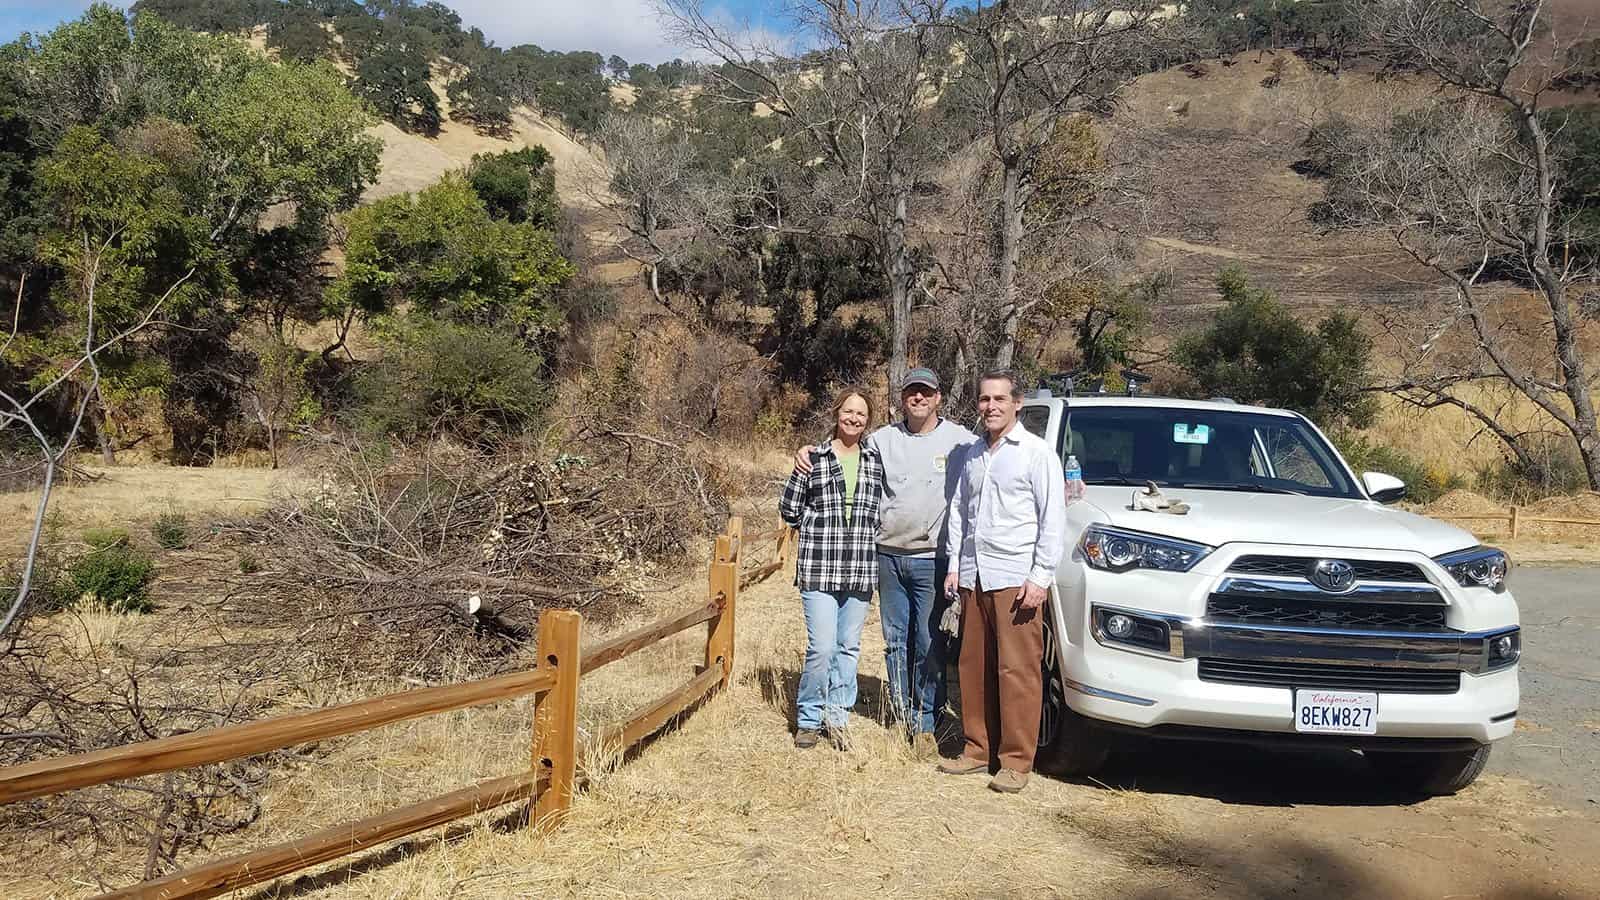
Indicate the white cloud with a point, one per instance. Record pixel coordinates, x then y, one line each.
628 28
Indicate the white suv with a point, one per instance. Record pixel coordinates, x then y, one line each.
1287 605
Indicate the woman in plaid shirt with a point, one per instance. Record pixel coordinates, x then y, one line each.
835 509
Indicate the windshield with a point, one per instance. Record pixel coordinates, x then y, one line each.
1199 448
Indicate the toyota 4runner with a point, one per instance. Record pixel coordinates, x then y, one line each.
1286 604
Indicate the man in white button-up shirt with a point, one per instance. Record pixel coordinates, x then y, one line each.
1006 525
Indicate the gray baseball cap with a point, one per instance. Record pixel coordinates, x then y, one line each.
921 376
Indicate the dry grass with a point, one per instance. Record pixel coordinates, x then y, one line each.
724 806
127 494
1450 438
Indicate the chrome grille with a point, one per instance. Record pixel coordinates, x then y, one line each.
1300 567
1330 677
1324 614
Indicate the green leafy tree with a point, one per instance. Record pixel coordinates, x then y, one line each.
394 79
166 149
482 97
299 33
123 238
1257 352
208 15
20 216
442 251
517 185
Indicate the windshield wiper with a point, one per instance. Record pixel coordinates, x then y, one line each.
1235 486
1113 479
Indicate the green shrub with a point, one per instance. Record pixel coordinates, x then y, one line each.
1255 351
1424 483
103 538
171 531
113 573
474 382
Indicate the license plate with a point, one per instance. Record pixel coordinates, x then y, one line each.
1335 712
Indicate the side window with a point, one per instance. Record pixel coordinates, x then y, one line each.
1291 459
1103 452
1036 419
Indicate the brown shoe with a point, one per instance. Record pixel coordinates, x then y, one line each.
1008 781
806 738
962 765
924 745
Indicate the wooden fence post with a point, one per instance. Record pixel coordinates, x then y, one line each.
555 723
725 582
1516 520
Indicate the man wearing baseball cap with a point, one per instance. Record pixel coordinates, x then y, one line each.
911 562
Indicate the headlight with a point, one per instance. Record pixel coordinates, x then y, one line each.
1478 567
1117 550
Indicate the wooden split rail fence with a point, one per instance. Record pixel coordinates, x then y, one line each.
1515 518
547 784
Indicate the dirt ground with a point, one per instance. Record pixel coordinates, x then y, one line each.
724 806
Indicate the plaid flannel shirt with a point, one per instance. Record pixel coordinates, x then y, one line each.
835 554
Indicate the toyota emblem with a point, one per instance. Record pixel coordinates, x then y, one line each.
1333 575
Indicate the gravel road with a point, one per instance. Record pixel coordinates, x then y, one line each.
1557 743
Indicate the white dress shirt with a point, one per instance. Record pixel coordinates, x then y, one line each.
1008 515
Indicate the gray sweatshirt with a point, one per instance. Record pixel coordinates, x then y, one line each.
918 482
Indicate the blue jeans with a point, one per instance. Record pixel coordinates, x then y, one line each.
914 648
833 650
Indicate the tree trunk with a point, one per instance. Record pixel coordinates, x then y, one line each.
1574 368
102 430
897 265
1010 253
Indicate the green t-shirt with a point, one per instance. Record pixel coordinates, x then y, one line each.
850 465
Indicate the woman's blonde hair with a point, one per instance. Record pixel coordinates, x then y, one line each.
843 397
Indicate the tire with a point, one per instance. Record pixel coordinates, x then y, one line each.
1434 774
1076 749
1069 744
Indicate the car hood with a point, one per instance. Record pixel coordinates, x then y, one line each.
1222 517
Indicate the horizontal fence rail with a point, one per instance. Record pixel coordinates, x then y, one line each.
1515 518
225 875
625 645
212 745
649 719
548 783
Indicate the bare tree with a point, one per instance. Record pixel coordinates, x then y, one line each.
18 411
650 185
857 105
1025 64
1469 181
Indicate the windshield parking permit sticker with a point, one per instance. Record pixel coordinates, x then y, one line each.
1191 434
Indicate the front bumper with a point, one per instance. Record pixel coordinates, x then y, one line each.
1161 689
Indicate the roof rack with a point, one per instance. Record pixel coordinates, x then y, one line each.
1078 383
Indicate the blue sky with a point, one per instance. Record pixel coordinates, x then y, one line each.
625 27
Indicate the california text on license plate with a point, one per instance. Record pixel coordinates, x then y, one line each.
1336 712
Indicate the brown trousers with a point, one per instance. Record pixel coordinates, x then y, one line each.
1002 683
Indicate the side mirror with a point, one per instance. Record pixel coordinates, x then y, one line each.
1383 488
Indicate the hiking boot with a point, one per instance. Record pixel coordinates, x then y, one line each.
962 765
924 745
1008 781
806 738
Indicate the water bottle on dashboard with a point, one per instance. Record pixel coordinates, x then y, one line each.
1074 473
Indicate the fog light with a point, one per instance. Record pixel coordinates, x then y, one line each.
1503 650
1119 626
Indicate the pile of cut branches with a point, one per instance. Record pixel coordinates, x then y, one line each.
430 559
